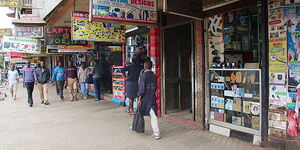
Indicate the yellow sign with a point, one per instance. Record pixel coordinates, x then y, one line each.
11 3
83 29
5 32
278 55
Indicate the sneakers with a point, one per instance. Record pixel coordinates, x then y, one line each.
46 103
156 137
61 100
85 97
42 102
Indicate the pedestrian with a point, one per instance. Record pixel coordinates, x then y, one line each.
132 74
13 80
83 72
72 81
59 78
147 97
56 85
97 75
43 77
29 79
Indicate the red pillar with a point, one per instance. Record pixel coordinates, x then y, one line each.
155 58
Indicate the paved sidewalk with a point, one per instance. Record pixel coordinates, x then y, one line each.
91 125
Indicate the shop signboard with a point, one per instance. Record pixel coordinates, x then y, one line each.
21 45
5 32
29 31
129 11
52 49
11 3
60 36
14 54
187 8
83 29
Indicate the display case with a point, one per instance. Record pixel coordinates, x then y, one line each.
118 85
235 99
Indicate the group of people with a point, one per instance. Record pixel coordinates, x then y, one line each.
64 77
141 83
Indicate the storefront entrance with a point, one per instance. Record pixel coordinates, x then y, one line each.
178 72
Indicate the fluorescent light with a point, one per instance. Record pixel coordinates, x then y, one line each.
132 29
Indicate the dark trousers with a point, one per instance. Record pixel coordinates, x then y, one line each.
29 86
56 87
97 87
60 85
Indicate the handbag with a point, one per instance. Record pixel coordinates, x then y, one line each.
138 124
89 79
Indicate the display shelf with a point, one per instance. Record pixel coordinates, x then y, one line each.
235 99
118 85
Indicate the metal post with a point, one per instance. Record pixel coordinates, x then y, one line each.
203 75
265 72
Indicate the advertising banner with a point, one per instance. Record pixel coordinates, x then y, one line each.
11 3
276 23
130 11
83 29
5 32
60 36
21 45
29 31
294 75
278 55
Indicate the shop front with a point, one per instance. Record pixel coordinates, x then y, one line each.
235 65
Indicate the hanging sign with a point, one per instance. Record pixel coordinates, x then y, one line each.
5 32
129 11
29 31
95 31
11 3
21 45
60 36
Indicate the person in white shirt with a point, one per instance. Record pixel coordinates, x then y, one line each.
13 79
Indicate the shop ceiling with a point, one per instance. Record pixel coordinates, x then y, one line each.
61 15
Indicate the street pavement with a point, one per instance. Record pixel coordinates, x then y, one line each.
91 125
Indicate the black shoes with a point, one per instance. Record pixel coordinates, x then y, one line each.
46 103
30 105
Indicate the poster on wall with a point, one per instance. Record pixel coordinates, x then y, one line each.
278 95
276 23
278 55
275 3
21 45
292 21
277 78
129 11
11 3
83 29
215 39
29 31
294 76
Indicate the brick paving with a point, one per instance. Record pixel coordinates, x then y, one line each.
91 125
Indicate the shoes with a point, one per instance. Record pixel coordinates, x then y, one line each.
61 100
156 137
76 99
85 97
42 102
46 103
30 105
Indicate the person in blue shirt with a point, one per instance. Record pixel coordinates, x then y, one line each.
59 77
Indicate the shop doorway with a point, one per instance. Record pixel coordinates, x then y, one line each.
179 74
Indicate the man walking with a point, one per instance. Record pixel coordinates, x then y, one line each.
29 78
97 74
147 97
59 77
82 76
72 81
43 76
13 79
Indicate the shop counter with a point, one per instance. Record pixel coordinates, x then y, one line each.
235 99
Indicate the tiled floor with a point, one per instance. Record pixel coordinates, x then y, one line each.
91 125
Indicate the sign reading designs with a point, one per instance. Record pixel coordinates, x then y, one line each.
83 29
21 45
29 31
5 32
60 36
130 11
11 3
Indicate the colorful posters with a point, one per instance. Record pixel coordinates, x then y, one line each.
5 32
21 45
278 95
130 11
11 3
292 20
29 31
83 29
278 55
276 23
215 39
294 76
